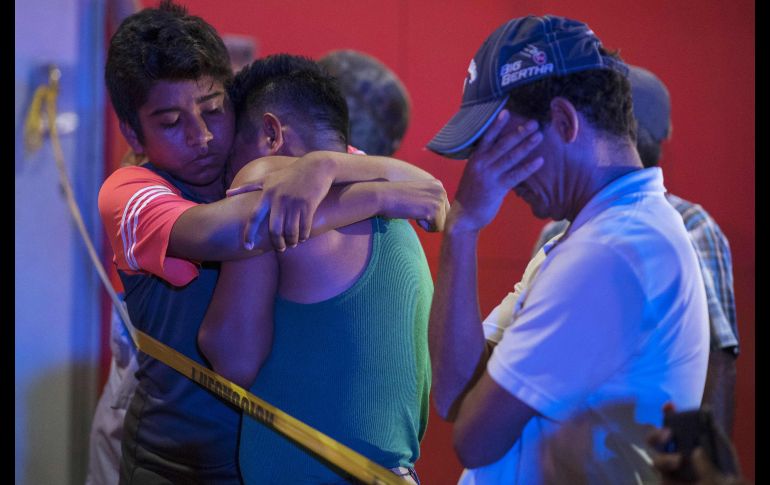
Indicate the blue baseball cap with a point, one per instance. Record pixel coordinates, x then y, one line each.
520 51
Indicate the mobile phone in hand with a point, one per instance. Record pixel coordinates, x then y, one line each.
691 429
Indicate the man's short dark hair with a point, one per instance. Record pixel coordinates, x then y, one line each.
155 44
652 110
295 86
603 96
649 149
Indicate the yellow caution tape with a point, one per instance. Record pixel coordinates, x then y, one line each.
322 445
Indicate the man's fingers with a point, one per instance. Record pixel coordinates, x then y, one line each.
434 221
497 126
513 150
291 227
276 228
251 228
249 187
522 172
667 462
703 466
425 225
305 225
659 437
519 138
438 224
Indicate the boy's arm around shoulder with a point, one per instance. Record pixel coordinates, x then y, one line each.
363 187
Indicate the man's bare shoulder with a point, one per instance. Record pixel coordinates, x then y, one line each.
259 168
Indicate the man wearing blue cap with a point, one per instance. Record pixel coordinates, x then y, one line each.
652 110
616 313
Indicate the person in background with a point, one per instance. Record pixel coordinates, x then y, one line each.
652 110
377 100
107 423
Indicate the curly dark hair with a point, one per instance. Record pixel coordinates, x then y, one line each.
603 96
378 101
296 86
163 43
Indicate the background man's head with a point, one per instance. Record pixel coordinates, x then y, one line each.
163 43
652 110
377 100
286 105
523 66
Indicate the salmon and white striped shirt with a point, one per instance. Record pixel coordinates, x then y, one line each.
138 209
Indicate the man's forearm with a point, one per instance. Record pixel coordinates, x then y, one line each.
719 393
455 336
348 204
357 168
295 192
214 232
351 203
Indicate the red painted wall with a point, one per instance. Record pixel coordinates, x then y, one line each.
702 49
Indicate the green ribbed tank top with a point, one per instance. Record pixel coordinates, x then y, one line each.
355 367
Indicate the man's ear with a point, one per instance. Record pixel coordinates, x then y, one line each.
565 119
273 131
131 137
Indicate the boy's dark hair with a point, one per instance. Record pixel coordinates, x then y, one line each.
603 96
163 43
297 87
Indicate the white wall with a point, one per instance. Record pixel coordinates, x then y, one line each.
56 290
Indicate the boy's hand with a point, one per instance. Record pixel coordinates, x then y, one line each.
291 197
423 200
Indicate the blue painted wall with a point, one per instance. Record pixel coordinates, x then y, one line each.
56 289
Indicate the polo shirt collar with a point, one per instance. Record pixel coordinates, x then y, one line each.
639 181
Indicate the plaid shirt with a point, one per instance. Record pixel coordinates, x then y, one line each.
716 265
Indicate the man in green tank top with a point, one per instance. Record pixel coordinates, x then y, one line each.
332 330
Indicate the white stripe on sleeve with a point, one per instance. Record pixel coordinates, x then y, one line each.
130 219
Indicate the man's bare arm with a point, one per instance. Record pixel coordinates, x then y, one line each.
237 332
719 393
216 231
455 335
489 422
294 192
